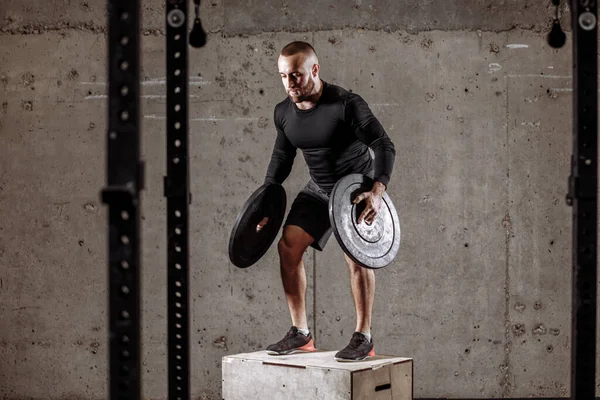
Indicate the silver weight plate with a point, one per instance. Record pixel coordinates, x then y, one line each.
371 246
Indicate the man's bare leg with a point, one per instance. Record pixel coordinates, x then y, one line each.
362 282
292 246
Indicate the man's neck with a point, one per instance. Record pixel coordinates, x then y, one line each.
311 102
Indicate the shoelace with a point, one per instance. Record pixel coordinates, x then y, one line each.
356 340
291 333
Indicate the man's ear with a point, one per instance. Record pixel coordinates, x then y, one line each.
315 69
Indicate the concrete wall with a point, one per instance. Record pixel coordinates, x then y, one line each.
480 293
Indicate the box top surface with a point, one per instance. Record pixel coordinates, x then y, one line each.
317 359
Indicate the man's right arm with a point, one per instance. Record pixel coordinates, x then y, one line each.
282 157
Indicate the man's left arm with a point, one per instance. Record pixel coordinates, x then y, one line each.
369 130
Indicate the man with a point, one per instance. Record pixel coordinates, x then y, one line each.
334 129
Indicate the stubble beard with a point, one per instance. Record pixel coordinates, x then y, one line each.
305 92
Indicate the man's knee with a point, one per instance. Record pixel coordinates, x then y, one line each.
292 245
289 252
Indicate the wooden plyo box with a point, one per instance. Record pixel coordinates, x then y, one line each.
316 375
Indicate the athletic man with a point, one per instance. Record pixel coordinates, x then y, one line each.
334 129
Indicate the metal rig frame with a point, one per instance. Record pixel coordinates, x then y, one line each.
125 175
583 197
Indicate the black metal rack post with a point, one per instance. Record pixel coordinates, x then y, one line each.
583 191
124 183
176 190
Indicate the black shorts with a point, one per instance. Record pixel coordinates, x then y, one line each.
310 211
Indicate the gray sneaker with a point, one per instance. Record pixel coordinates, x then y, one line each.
293 342
358 349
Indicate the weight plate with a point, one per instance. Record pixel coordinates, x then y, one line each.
246 246
373 246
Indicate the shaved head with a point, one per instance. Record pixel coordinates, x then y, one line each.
299 69
302 48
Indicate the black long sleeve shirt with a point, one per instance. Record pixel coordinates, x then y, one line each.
334 137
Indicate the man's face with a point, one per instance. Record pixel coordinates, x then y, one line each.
296 75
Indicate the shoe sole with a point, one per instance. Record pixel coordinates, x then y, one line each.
285 353
307 348
351 360
370 355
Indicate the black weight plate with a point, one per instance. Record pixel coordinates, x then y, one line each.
246 246
373 246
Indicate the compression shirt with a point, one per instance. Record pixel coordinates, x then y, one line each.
334 137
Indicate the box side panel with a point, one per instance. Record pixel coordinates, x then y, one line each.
402 381
389 382
372 384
